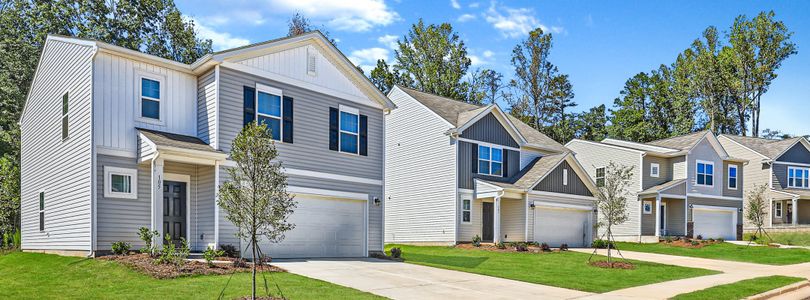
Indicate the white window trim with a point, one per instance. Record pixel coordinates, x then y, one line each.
596 175
655 170
350 110
109 171
705 162
802 169
736 177
777 207
490 160
140 75
260 88
565 176
644 207
466 210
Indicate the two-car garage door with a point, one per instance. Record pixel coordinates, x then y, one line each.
557 225
324 227
710 222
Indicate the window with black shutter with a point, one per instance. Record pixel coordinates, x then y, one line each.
249 103
348 130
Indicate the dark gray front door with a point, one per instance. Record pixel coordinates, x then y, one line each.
487 227
174 210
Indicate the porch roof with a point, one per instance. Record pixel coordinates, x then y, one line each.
165 139
787 194
669 186
530 175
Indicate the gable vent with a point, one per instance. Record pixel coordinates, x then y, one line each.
312 60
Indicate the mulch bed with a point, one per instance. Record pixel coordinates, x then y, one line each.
492 247
145 264
684 244
612 265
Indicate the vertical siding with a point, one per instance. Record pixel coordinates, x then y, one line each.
796 154
465 161
116 99
664 172
60 169
740 180
554 182
489 129
705 152
780 173
420 185
206 107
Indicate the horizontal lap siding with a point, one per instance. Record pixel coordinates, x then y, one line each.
664 172
740 181
60 169
206 107
466 231
513 220
754 173
705 152
676 219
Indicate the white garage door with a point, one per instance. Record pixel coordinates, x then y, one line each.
323 228
714 223
557 226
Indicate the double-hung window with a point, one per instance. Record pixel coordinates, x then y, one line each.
466 209
349 130
777 208
120 183
150 97
600 177
655 170
269 108
732 177
490 160
705 173
798 177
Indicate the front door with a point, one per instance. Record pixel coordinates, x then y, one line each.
174 211
487 227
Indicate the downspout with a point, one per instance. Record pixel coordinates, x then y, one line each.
93 164
153 191
526 221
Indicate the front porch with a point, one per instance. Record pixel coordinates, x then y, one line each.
663 211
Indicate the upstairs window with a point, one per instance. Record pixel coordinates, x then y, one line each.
600 177
349 130
466 208
705 173
150 97
65 133
798 177
490 161
269 108
41 211
732 177
655 170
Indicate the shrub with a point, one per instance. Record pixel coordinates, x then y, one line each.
210 254
564 247
476 241
601 244
721 240
120 248
148 238
240 263
668 239
545 247
172 254
230 250
695 243
500 245
396 252
521 247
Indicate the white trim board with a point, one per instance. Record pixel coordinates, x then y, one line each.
561 205
714 196
327 193
561 195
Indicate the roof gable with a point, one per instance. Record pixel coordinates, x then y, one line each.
489 129
799 152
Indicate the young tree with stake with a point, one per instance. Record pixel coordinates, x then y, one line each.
256 199
757 210
612 203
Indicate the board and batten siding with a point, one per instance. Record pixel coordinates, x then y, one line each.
466 160
796 154
206 107
592 155
705 152
60 169
554 182
420 174
116 101
488 129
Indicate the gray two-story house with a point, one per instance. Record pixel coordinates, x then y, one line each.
454 171
681 186
114 140
783 167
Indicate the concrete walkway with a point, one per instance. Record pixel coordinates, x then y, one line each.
408 281
732 272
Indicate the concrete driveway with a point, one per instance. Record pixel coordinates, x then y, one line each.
408 281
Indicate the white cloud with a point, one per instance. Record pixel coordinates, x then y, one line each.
389 41
237 16
454 4
483 59
473 5
488 54
465 17
220 40
515 22
348 15
367 58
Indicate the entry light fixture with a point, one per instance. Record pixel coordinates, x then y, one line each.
377 201
531 205
691 206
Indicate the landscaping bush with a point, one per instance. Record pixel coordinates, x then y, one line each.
120 248
240 263
476 241
521 247
230 250
172 254
564 247
148 238
396 252
500 245
545 247
668 239
210 254
695 243
601 244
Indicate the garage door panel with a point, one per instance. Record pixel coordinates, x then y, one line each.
714 224
557 226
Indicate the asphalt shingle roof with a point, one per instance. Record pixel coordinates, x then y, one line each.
167 139
532 173
769 148
663 186
681 142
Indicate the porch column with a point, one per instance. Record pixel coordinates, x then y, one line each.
157 199
770 212
795 212
657 215
497 220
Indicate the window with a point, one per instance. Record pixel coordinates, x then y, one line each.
466 208
705 173
732 177
41 211
647 207
565 176
120 183
600 177
777 209
798 177
349 129
65 116
150 98
269 108
655 170
490 161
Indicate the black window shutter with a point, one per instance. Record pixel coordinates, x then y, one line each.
363 135
249 103
474 158
505 164
333 129
287 117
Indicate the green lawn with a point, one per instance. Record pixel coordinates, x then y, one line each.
727 251
44 276
566 269
788 238
740 289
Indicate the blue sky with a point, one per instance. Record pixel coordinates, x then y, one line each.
600 44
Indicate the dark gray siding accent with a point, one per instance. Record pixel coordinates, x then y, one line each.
465 161
489 129
780 176
730 192
715 202
310 151
554 182
796 154
204 108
